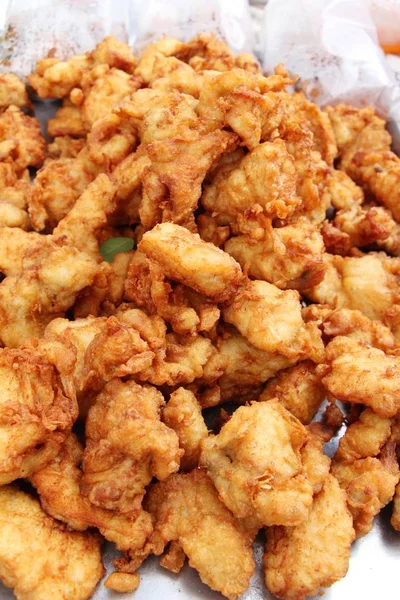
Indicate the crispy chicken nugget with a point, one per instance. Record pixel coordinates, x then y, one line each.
368 283
126 446
265 177
370 484
185 258
245 368
360 374
14 244
299 560
270 319
58 485
183 415
68 564
187 511
51 278
36 411
299 389
290 257
256 465
12 92
24 132
366 437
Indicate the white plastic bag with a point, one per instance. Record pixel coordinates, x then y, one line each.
333 46
183 19
62 28
37 28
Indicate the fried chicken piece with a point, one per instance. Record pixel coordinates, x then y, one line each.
299 560
111 139
172 168
244 101
187 311
58 485
12 92
270 319
370 485
210 231
36 410
106 348
364 146
360 374
317 121
366 225
365 437
114 53
290 257
185 258
86 220
265 177
245 368
126 446
68 120
187 512
342 191
172 186
55 78
70 571
368 283
14 206
395 520
14 244
160 48
186 359
65 146
183 415
269 485
56 188
352 323
298 389
102 89
24 133
206 51
51 278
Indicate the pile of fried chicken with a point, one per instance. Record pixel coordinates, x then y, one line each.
265 273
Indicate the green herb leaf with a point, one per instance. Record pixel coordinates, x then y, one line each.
113 246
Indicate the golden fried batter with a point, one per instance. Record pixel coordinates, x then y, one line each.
126 446
358 373
270 319
185 258
299 560
183 415
256 465
12 92
291 257
368 283
265 177
369 484
36 410
298 389
22 133
68 564
58 485
186 509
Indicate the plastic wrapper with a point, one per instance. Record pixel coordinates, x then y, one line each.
333 46
36 28
183 19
